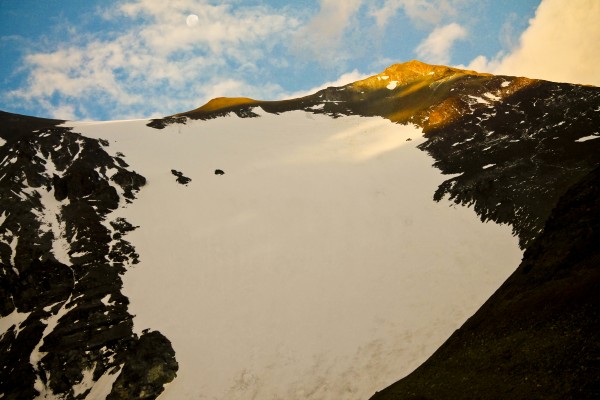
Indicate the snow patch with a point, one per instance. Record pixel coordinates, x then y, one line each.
392 85
488 166
51 221
14 241
36 355
3 217
105 300
477 100
15 319
102 388
590 137
86 382
453 176
45 393
505 84
492 96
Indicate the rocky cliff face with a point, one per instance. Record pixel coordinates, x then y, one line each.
61 258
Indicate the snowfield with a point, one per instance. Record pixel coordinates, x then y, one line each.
317 267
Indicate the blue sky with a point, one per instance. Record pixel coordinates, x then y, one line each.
102 60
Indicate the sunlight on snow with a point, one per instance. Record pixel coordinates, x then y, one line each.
318 267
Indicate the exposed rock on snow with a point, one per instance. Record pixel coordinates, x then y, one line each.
182 180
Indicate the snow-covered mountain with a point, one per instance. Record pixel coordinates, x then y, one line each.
314 248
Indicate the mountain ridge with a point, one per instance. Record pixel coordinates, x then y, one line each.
440 100
412 75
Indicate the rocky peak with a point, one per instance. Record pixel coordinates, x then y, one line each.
220 103
411 72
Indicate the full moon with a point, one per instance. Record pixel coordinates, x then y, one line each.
191 20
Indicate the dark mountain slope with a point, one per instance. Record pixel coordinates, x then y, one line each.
537 336
56 189
517 156
16 126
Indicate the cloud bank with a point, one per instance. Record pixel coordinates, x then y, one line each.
436 47
561 44
419 11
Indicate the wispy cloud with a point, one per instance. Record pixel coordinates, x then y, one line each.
419 11
159 65
321 38
436 47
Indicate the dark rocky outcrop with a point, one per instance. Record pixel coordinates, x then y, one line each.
61 261
181 179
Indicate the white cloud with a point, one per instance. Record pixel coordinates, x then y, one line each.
321 37
481 64
509 35
158 64
64 111
561 44
436 47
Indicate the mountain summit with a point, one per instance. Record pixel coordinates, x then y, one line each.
413 71
314 248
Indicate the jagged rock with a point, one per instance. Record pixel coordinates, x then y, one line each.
183 180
